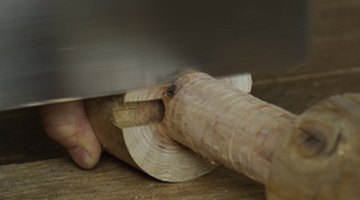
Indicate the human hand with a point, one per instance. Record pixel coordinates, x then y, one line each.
67 124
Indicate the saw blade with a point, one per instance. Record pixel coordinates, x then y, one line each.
62 50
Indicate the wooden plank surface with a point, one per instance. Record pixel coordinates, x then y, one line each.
298 92
60 179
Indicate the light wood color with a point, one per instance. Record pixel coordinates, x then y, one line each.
321 158
224 125
228 126
212 118
128 127
142 145
335 46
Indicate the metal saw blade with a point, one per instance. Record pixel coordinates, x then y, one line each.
60 50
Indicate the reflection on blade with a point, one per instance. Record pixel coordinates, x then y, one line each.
59 50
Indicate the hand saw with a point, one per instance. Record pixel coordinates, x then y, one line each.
62 50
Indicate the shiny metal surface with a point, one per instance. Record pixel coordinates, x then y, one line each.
63 49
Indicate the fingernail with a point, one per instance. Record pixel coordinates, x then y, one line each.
82 158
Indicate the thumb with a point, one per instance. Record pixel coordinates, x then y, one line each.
67 124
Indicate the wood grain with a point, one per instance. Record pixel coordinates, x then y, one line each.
233 128
60 179
130 127
298 95
321 159
224 125
137 140
335 45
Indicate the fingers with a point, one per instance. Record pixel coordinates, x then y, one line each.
67 124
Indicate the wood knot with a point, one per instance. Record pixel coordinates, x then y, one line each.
314 138
171 91
310 143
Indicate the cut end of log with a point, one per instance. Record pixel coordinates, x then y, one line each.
130 131
313 155
129 127
162 158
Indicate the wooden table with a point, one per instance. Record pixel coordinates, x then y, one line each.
33 167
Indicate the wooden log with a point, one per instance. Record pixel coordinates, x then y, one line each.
127 127
320 159
233 128
143 145
224 125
